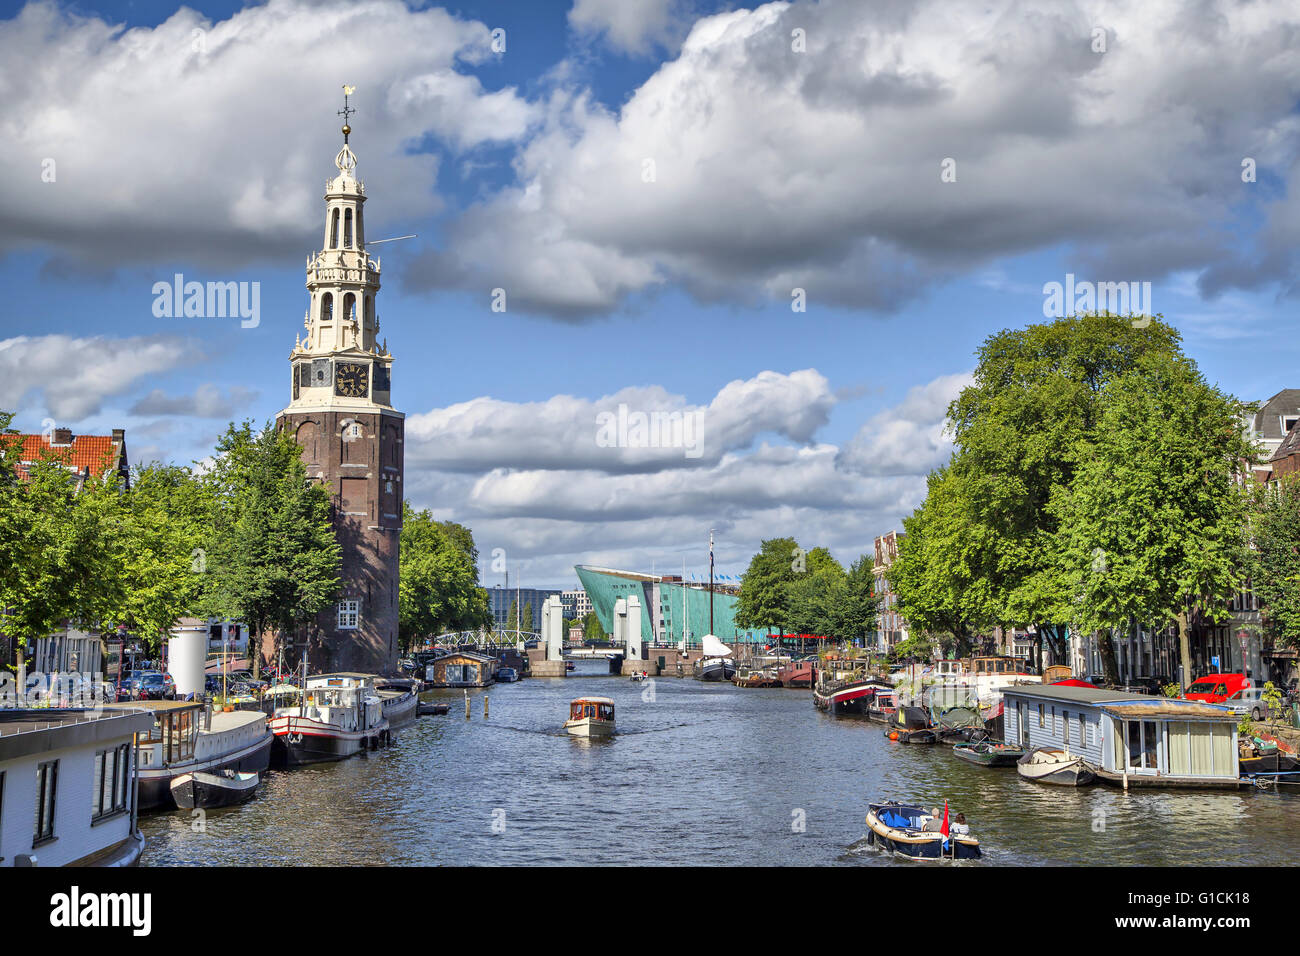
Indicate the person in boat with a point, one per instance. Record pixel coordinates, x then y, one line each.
959 827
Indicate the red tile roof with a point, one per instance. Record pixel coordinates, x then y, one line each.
96 454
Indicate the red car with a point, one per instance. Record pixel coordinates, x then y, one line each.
1217 688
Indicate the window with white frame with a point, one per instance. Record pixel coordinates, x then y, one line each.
112 773
349 615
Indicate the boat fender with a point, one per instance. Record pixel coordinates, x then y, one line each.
893 735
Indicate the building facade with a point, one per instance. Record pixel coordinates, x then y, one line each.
341 415
530 601
890 626
672 610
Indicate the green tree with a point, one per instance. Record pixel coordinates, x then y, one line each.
166 531
439 589
61 546
1035 397
274 561
763 602
1275 560
591 628
816 594
1152 526
942 576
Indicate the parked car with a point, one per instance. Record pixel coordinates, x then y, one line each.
1248 700
1217 688
155 685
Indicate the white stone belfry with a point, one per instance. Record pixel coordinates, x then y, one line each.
553 627
632 628
341 361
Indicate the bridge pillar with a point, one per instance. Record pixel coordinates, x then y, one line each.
553 627
632 629
620 622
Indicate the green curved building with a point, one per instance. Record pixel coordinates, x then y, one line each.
663 616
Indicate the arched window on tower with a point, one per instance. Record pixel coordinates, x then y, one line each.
370 311
361 232
349 307
327 307
347 229
334 229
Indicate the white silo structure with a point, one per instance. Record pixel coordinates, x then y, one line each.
187 654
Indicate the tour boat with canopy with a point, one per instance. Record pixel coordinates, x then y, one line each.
590 717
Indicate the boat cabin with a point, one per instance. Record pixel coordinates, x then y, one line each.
595 708
346 700
461 669
175 730
996 665
68 786
1129 739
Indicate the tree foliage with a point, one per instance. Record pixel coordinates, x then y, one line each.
1275 559
439 588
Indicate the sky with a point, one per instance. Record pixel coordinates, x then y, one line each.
792 223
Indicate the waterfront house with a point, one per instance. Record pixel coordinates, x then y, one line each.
461 669
1128 739
68 787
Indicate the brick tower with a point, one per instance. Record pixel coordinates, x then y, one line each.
350 435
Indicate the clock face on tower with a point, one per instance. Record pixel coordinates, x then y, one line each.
351 379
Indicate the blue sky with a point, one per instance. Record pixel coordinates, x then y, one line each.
775 169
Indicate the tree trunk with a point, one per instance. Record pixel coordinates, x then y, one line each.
1184 648
1109 663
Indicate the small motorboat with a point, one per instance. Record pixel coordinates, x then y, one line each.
569 665
1054 765
989 752
915 833
507 675
911 725
204 790
637 678
429 708
591 717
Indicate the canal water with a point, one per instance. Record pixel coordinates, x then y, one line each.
699 773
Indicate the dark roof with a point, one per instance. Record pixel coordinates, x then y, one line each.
1285 402
1290 445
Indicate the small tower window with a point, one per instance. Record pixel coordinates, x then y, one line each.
370 310
350 307
334 229
361 232
347 229
327 307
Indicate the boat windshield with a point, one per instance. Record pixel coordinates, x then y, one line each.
586 708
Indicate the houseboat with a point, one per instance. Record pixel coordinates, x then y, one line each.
336 716
978 681
854 696
460 669
187 736
796 673
1127 739
53 760
590 717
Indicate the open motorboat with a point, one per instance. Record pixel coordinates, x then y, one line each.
989 752
590 717
208 790
1054 765
716 664
914 832
912 725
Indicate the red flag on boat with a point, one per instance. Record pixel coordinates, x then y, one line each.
944 829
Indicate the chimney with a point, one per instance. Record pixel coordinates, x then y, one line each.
61 436
119 435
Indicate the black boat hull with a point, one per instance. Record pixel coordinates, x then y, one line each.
200 794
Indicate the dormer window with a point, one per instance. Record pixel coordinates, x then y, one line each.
1288 422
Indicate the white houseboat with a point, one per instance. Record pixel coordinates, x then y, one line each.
336 716
188 737
67 787
1130 740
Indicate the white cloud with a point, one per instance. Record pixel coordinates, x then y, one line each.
776 169
214 138
633 27
561 500
207 401
71 377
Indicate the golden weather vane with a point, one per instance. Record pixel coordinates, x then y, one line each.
347 110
